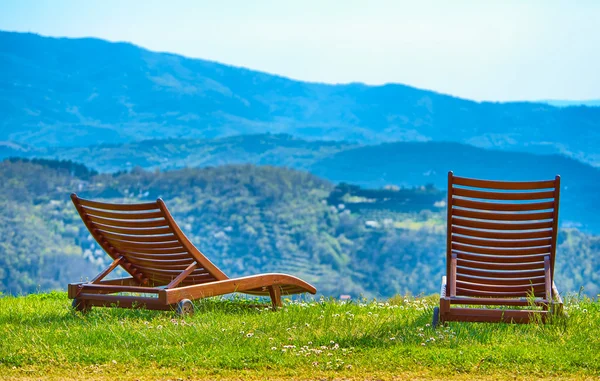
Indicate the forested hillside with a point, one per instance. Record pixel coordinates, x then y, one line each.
79 92
248 219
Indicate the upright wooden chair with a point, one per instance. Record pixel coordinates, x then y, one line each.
501 247
164 265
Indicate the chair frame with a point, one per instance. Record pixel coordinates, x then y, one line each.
492 229
108 223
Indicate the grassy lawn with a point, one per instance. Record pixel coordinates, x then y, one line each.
42 338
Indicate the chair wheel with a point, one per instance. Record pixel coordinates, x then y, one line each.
80 305
436 317
185 307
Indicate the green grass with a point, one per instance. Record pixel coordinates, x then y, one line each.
42 338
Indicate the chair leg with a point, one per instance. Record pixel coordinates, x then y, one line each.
444 310
275 293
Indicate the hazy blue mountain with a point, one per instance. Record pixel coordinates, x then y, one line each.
263 149
79 92
413 163
568 103
8 149
405 164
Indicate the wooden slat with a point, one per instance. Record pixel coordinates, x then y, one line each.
143 238
165 254
166 258
474 263
520 196
503 216
171 272
502 243
499 274
501 288
500 281
491 301
123 207
547 233
190 280
501 251
500 226
159 262
175 269
124 216
126 223
506 185
502 259
479 205
493 315
133 231
164 265
468 292
149 246
495 311
121 281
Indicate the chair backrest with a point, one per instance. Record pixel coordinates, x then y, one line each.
153 248
500 233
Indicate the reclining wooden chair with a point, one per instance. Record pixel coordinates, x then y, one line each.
147 243
501 246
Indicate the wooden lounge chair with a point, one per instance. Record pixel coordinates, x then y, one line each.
501 245
145 241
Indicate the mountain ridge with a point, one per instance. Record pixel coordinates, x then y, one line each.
405 164
89 91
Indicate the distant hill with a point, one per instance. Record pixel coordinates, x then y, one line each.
8 149
80 92
406 164
567 103
263 149
410 164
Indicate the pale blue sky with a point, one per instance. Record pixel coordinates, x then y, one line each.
482 50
